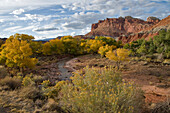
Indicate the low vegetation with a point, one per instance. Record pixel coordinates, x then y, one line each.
159 44
90 90
100 91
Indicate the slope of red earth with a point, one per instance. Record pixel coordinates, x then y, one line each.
147 33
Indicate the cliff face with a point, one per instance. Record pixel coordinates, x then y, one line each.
116 27
149 32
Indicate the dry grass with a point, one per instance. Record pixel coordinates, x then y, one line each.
142 73
12 83
3 72
163 107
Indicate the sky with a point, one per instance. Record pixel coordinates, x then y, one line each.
52 18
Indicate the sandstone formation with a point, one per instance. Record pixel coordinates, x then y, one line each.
149 32
153 19
129 29
116 27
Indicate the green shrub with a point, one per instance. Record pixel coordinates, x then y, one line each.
126 46
37 79
52 92
45 83
12 83
100 91
27 81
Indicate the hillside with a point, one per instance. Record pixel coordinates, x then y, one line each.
148 32
116 27
129 29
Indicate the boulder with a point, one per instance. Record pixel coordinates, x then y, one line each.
166 62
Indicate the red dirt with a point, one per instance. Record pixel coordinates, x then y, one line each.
148 77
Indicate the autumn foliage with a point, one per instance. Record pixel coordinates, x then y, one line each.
103 49
16 52
53 47
100 91
19 49
118 55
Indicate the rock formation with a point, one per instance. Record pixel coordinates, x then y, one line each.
116 27
129 29
149 32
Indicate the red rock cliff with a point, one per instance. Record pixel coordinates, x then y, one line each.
116 27
149 32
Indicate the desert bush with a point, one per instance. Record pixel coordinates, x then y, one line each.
163 107
3 72
52 107
100 91
12 83
27 81
126 46
31 92
53 91
18 77
37 79
45 83
159 44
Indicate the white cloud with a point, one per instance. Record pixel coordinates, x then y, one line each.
1 20
18 12
36 17
12 28
25 28
64 6
74 25
73 33
86 30
11 5
72 15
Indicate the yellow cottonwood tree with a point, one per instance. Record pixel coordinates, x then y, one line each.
118 55
25 37
46 49
57 47
36 47
17 54
72 45
102 50
92 46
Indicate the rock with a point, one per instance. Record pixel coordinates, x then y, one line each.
50 105
160 57
145 63
166 62
148 32
152 106
115 27
158 61
131 38
153 19
129 29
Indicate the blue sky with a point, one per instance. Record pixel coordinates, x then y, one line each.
52 18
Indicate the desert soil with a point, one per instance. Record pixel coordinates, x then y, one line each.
153 79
